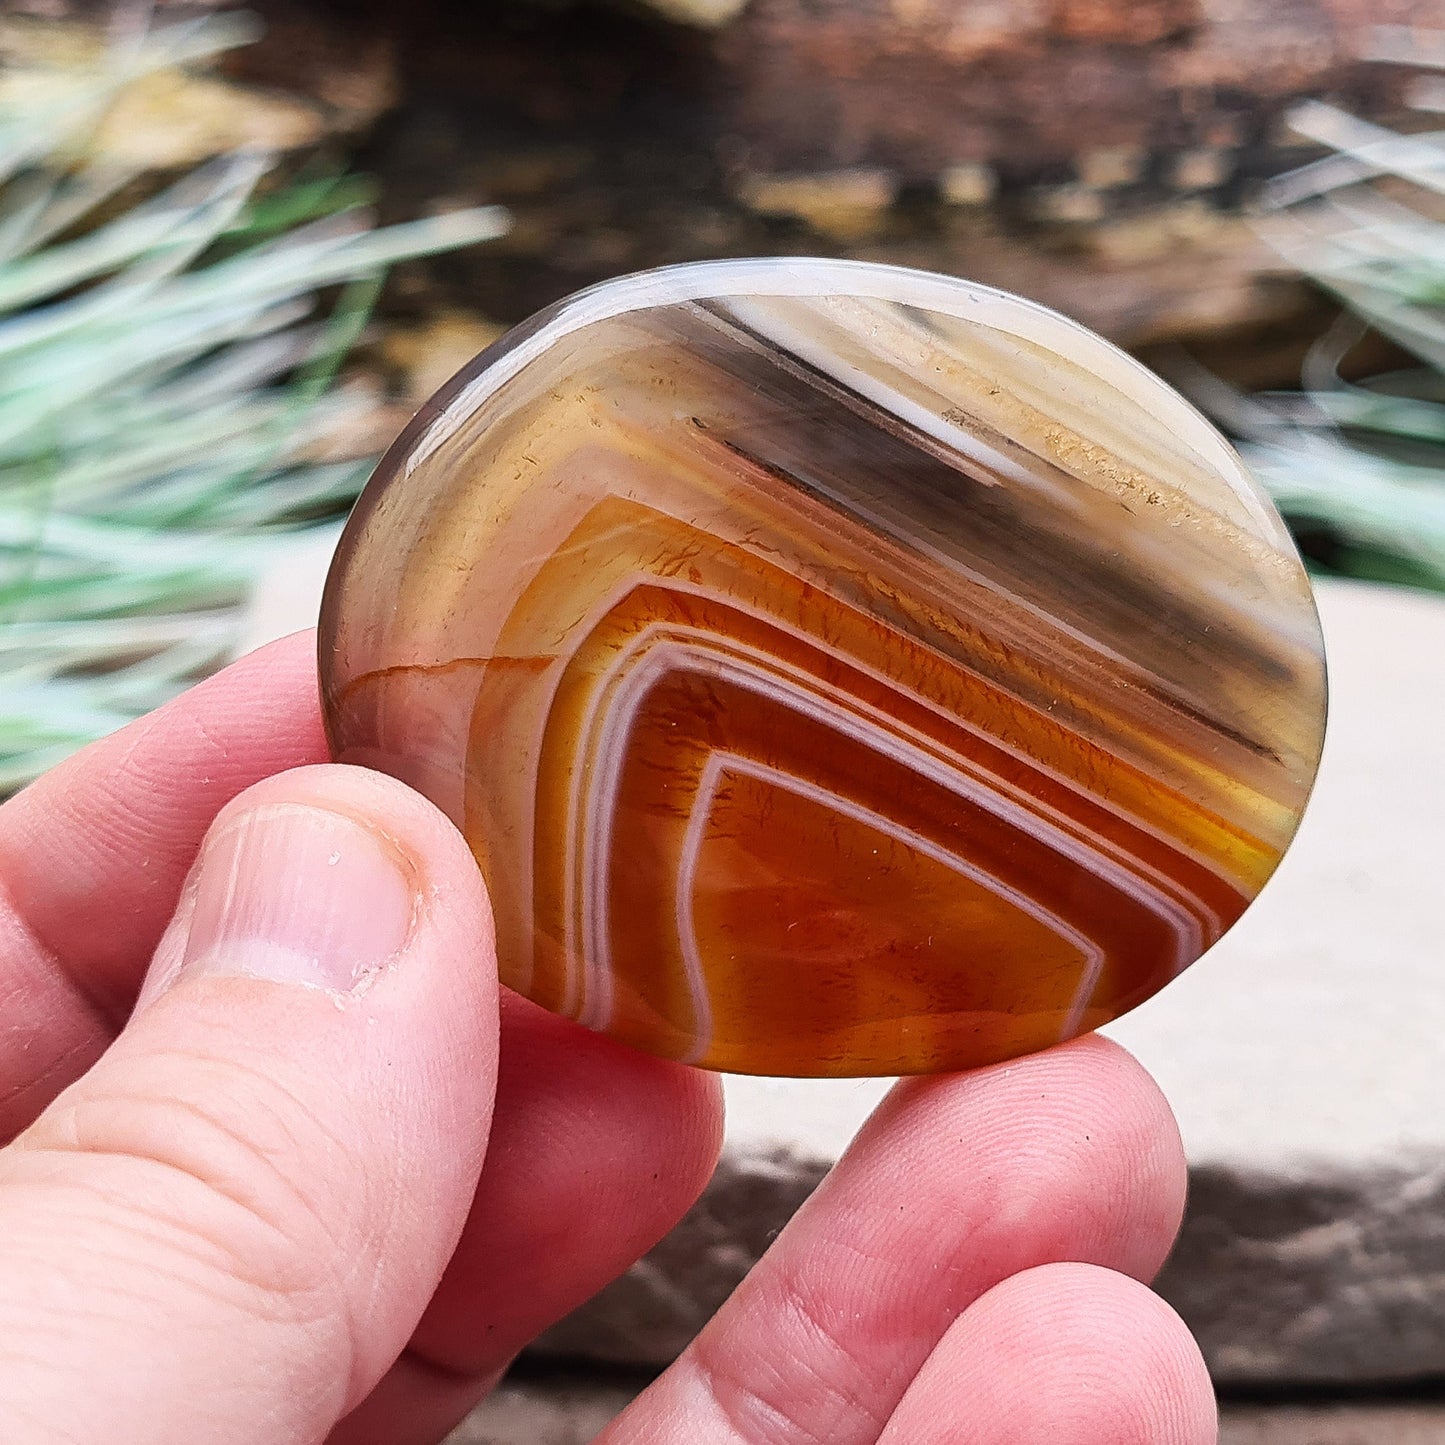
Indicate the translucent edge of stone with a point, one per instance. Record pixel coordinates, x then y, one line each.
811 276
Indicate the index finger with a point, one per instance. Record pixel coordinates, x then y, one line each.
93 855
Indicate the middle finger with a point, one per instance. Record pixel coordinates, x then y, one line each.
953 1185
595 1152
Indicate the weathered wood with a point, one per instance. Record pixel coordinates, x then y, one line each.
1095 154
1025 85
1034 88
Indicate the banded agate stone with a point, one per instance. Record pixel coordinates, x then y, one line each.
835 669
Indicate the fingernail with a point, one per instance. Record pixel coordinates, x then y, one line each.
299 895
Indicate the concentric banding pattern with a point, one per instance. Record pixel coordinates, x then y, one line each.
835 670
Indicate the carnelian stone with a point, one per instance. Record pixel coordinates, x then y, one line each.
834 669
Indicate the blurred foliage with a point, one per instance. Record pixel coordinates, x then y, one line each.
169 420
177 294
1359 468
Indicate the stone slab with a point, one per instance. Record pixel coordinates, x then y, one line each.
1393 1423
1303 1058
288 595
564 1410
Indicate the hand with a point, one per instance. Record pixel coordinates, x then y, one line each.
321 1173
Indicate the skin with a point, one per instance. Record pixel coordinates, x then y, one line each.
262 1208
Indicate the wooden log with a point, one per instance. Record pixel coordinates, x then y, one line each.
1095 154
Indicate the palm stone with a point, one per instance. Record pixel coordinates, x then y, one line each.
834 669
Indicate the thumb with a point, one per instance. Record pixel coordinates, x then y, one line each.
228 1229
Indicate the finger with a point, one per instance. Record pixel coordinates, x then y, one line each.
954 1185
596 1152
1067 1353
92 857
229 1228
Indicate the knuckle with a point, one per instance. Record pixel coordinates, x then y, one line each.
819 1395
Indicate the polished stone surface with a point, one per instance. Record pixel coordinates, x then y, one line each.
835 669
